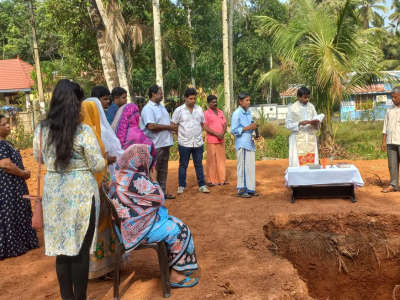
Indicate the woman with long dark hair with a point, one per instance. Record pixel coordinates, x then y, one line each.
70 200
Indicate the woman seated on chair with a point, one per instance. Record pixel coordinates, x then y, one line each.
139 201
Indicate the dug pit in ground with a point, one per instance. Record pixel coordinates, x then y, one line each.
353 256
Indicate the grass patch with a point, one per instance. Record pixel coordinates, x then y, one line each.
19 139
360 140
278 147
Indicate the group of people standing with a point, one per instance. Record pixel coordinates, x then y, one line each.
154 126
104 140
85 146
189 121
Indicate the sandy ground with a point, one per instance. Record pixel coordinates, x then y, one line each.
232 251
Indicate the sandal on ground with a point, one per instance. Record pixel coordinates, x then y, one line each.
244 195
225 183
389 189
254 194
169 196
181 284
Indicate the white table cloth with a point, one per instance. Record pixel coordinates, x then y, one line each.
301 176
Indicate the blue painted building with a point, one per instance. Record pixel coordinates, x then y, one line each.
368 103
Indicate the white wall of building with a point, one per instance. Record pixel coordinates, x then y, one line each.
270 111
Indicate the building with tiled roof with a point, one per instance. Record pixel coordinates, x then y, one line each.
368 102
15 76
16 85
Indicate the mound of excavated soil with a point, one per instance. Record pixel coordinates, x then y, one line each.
237 261
352 256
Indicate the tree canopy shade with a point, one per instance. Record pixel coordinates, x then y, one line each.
330 52
71 44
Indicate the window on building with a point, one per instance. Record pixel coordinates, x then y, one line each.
364 102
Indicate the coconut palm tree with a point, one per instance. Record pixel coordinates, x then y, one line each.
226 57
369 12
391 50
116 39
37 64
395 16
106 55
331 52
115 28
157 43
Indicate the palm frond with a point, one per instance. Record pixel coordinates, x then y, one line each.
325 50
273 75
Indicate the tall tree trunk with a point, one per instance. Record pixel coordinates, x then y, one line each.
107 61
270 82
192 59
326 138
157 43
225 48
36 105
366 10
117 44
230 31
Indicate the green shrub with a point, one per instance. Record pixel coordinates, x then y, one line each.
173 152
365 151
268 130
20 139
229 148
360 140
230 151
278 147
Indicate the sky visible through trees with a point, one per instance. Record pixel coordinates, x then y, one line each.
69 43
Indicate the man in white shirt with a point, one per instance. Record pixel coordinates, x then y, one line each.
190 119
302 120
156 124
391 140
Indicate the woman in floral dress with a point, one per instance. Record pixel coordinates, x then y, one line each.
70 200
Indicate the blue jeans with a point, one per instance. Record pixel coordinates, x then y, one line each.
184 157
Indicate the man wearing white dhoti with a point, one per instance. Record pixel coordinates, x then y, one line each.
242 127
303 122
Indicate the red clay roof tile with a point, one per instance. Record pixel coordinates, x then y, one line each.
15 74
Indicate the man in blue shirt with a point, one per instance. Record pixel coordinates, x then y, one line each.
119 98
156 124
243 127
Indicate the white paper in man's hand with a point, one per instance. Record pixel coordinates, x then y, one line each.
319 117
